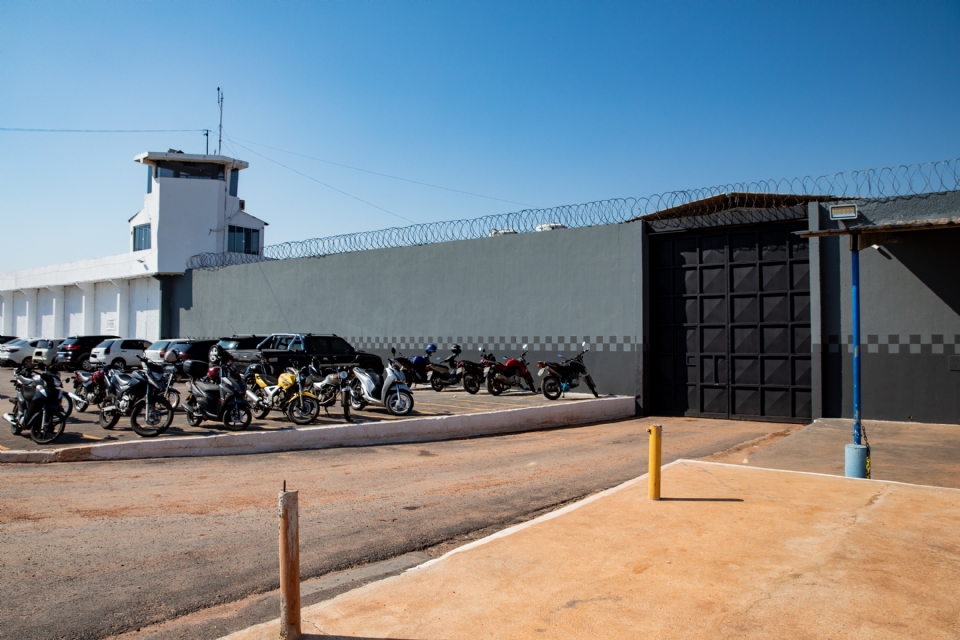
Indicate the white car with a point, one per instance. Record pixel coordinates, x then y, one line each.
119 354
156 351
46 351
16 351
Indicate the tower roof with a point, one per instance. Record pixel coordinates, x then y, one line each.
153 157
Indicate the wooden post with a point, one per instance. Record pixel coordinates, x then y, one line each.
289 565
653 478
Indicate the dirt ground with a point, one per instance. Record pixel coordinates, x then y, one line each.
88 550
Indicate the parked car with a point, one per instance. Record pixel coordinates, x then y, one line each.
74 352
6 339
46 352
192 349
243 348
119 353
282 350
18 351
156 351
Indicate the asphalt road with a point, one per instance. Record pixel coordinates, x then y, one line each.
89 550
84 428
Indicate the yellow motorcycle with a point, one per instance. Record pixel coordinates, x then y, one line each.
286 393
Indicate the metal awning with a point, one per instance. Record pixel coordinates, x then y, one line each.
887 227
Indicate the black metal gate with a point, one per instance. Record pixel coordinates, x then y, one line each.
730 315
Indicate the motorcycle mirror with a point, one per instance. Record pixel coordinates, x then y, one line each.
504 357
393 350
524 345
584 344
559 355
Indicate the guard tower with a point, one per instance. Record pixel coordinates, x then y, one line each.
192 206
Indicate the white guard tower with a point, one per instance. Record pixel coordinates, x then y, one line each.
191 206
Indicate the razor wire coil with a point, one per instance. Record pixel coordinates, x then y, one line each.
915 179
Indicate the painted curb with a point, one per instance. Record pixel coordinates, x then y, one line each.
346 435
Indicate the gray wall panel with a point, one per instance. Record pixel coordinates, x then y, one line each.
562 283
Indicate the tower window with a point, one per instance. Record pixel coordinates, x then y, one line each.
197 170
243 240
234 179
141 237
149 179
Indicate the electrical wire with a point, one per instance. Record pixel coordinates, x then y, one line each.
385 175
104 130
329 186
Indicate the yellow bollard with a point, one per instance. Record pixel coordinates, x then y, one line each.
653 478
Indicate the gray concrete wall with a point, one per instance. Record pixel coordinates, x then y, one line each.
910 316
551 290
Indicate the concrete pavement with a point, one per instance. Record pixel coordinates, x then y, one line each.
731 551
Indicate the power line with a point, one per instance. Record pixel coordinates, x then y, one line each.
104 130
329 186
386 175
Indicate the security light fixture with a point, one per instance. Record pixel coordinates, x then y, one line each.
843 212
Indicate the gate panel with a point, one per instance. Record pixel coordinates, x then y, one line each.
731 323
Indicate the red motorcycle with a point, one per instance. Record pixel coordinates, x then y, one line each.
511 373
88 388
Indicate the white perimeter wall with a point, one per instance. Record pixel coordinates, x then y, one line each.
73 310
144 322
142 310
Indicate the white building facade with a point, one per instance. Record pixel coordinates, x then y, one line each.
191 206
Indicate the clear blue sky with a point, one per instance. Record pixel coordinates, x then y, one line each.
540 103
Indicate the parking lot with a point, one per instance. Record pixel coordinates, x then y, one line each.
84 428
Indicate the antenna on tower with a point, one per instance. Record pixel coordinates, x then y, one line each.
220 133
206 134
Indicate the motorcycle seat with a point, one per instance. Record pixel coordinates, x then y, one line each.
124 379
270 380
83 376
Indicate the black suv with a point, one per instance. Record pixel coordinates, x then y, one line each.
243 348
190 349
282 350
74 352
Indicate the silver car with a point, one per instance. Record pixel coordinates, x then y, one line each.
119 354
17 351
156 351
46 351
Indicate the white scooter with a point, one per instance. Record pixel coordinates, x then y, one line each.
388 390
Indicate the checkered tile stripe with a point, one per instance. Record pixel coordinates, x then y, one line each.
916 343
506 344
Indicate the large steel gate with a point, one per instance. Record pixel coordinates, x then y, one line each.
730 315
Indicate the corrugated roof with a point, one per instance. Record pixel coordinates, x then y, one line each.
734 200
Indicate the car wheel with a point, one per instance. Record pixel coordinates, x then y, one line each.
27 362
85 364
119 364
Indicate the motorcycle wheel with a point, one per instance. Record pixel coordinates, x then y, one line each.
593 387
470 384
304 413
45 434
357 403
530 384
436 384
261 408
81 405
66 403
109 421
494 388
172 396
194 417
399 403
16 429
237 418
151 424
551 388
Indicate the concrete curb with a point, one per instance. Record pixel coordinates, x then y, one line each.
347 435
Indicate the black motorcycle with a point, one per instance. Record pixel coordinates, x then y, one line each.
416 370
37 406
139 395
446 372
224 400
558 378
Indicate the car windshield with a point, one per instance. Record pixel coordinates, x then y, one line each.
248 343
44 344
16 343
104 344
339 345
182 347
229 344
158 346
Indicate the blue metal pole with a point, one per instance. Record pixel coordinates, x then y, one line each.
855 313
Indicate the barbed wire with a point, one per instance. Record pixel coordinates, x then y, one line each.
915 179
